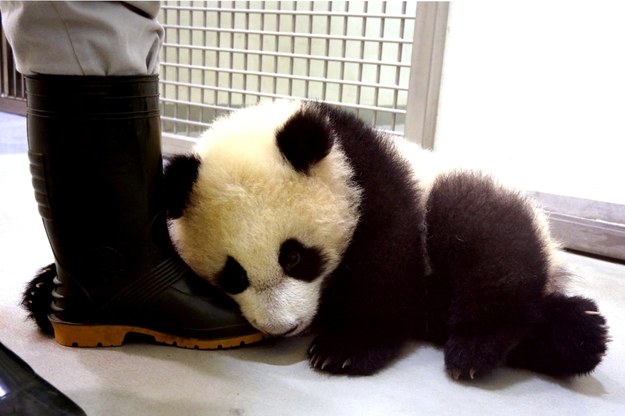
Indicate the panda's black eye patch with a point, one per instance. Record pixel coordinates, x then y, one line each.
233 277
300 262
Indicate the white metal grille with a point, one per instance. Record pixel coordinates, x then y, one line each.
219 56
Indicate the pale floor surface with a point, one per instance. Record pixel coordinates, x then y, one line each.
274 379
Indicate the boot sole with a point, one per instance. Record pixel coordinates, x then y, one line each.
79 335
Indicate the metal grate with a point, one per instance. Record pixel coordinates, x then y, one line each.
219 56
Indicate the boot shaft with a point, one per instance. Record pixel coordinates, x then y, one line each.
94 148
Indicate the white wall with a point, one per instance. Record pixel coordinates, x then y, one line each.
536 91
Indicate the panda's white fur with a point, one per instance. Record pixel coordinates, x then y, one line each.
248 199
404 245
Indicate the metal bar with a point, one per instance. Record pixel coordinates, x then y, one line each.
217 56
309 46
288 12
292 61
203 73
177 70
275 58
230 77
400 53
4 47
191 122
279 96
363 33
585 225
425 75
201 105
326 64
292 55
280 75
343 49
378 69
292 34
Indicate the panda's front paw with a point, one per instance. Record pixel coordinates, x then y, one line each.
337 354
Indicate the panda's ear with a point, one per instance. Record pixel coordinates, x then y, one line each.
305 139
180 175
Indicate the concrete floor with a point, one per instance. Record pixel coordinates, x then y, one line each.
274 378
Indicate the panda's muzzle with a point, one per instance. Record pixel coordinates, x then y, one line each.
294 330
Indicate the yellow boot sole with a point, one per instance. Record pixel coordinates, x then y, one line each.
79 335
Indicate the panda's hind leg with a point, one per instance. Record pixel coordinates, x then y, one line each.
569 339
483 238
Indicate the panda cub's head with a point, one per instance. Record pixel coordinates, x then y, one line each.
264 208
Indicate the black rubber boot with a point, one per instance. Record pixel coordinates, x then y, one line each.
24 393
94 148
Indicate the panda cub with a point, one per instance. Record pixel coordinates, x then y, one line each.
311 220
